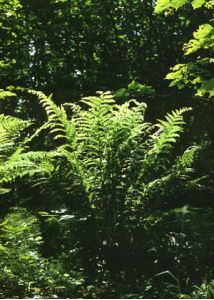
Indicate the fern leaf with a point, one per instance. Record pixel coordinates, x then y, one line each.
57 118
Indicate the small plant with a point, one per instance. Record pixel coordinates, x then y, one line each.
25 273
204 291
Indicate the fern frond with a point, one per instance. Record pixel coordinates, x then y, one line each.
160 144
169 130
10 135
60 126
36 133
183 164
22 164
4 94
4 191
10 127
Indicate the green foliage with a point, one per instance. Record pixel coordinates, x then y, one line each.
165 4
10 128
108 177
169 130
4 94
134 90
109 202
21 263
121 41
203 38
25 273
204 291
176 4
13 161
57 118
194 73
111 149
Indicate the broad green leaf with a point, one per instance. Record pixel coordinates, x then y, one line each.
166 4
4 191
207 87
2 248
197 3
203 31
203 38
209 4
162 5
178 3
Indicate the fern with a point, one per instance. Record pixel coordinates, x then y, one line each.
162 141
108 156
111 152
10 127
4 94
184 163
14 160
22 164
57 118
169 131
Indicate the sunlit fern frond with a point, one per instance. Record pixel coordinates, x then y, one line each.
61 127
22 164
169 130
10 127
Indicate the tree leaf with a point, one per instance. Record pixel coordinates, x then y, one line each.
197 3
